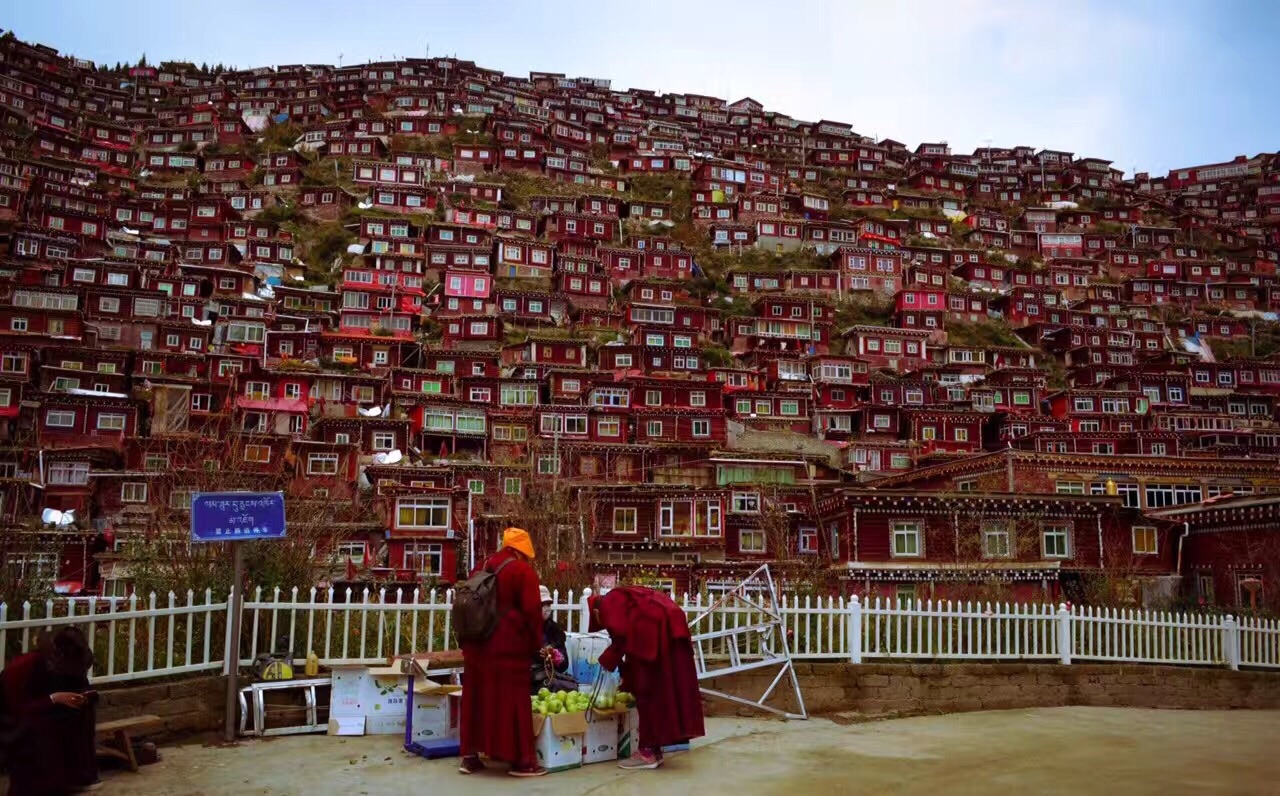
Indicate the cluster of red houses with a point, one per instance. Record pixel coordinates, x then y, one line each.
919 371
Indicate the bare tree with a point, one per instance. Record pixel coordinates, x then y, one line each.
155 540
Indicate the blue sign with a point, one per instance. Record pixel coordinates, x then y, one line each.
236 516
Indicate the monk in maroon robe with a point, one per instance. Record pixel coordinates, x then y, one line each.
649 638
497 718
48 717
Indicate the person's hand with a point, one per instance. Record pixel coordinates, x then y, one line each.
68 699
546 652
610 660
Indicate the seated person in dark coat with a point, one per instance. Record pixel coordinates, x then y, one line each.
553 651
48 717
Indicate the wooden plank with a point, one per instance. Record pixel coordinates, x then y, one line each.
131 723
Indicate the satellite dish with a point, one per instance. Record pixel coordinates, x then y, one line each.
389 457
55 517
373 411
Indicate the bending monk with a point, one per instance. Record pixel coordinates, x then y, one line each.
649 639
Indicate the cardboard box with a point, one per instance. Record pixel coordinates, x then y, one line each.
345 694
385 697
379 696
350 725
629 737
628 734
435 715
559 740
600 742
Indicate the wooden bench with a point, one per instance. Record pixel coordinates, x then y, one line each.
117 744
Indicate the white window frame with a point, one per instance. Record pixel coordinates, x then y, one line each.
911 535
436 513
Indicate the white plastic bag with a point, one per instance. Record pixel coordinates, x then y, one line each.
604 692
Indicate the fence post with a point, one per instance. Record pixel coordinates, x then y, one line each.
1231 642
584 613
1064 634
854 630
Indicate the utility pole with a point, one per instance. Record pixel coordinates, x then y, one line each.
555 452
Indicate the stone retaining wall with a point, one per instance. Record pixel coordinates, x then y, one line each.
903 689
188 706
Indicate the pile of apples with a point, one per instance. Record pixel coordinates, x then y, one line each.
548 703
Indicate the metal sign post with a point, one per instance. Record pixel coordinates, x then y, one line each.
236 517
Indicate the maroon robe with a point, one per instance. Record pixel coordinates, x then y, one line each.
497 719
48 748
649 638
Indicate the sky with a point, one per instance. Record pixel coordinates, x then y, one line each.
1151 85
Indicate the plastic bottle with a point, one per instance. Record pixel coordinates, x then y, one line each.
313 664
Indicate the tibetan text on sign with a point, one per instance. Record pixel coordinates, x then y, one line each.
237 516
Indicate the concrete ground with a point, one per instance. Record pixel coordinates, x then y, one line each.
1040 751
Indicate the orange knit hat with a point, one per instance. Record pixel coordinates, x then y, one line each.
518 538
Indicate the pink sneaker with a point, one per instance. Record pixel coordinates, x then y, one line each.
640 762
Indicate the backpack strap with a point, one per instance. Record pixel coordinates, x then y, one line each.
502 566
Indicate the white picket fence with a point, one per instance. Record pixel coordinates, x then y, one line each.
132 638
135 639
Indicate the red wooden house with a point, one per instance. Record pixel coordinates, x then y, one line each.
899 349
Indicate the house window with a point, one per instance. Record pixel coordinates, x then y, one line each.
808 540
906 539
624 520
549 465
611 396
421 512
475 486
384 440
133 492
111 422
654 428
260 454
1055 541
511 486
55 418
424 558
322 464
1144 540
995 540
1069 487
751 540
701 428
350 551
746 503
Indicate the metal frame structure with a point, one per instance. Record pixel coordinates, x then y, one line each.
771 633
253 704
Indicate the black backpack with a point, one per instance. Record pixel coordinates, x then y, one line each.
475 606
